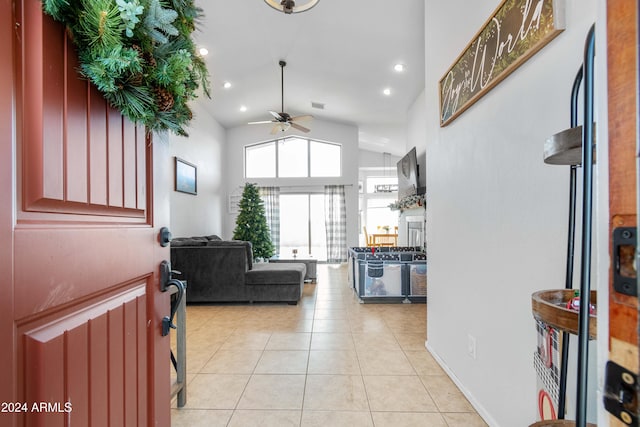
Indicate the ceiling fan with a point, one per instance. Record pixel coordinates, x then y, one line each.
283 121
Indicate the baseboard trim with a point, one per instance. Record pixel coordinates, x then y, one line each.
484 414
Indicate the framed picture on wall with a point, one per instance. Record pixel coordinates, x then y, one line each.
186 177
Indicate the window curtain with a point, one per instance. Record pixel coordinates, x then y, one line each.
271 199
335 211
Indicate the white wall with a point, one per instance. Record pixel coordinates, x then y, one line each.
417 134
375 160
344 134
201 214
496 214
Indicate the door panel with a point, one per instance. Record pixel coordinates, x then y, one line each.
75 137
74 263
56 355
98 152
65 114
86 307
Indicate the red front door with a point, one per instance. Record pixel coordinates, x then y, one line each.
80 310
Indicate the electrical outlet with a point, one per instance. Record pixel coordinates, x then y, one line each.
471 346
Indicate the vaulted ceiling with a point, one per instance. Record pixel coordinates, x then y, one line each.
340 54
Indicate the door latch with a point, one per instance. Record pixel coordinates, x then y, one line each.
165 237
624 254
621 393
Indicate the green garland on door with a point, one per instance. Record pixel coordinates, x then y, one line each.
139 54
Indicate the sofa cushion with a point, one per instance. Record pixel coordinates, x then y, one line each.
267 273
187 241
213 237
247 245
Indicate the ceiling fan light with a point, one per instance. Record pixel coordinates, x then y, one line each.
289 6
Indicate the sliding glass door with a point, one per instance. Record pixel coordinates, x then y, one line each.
302 225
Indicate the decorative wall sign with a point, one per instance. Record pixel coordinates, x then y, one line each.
515 32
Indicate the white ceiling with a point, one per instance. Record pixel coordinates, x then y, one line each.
340 53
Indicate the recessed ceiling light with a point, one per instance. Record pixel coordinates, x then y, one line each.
399 67
226 85
387 91
243 108
204 51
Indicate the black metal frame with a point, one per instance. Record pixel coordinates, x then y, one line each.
587 213
586 71
570 247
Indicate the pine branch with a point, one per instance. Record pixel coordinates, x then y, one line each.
158 22
134 102
129 11
201 75
116 64
166 120
57 9
100 26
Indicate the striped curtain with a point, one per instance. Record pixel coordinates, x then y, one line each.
335 212
271 199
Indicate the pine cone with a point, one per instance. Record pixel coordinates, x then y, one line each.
164 98
150 60
136 79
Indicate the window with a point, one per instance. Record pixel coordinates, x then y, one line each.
379 215
387 184
379 191
293 158
302 225
325 158
260 160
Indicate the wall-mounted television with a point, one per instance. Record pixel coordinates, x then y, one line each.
408 175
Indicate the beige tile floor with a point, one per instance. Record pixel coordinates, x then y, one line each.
329 361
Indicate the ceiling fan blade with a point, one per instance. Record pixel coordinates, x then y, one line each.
301 118
300 128
260 122
276 115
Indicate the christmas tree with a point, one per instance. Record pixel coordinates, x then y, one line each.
251 224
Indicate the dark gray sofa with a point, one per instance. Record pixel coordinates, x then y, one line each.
223 271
